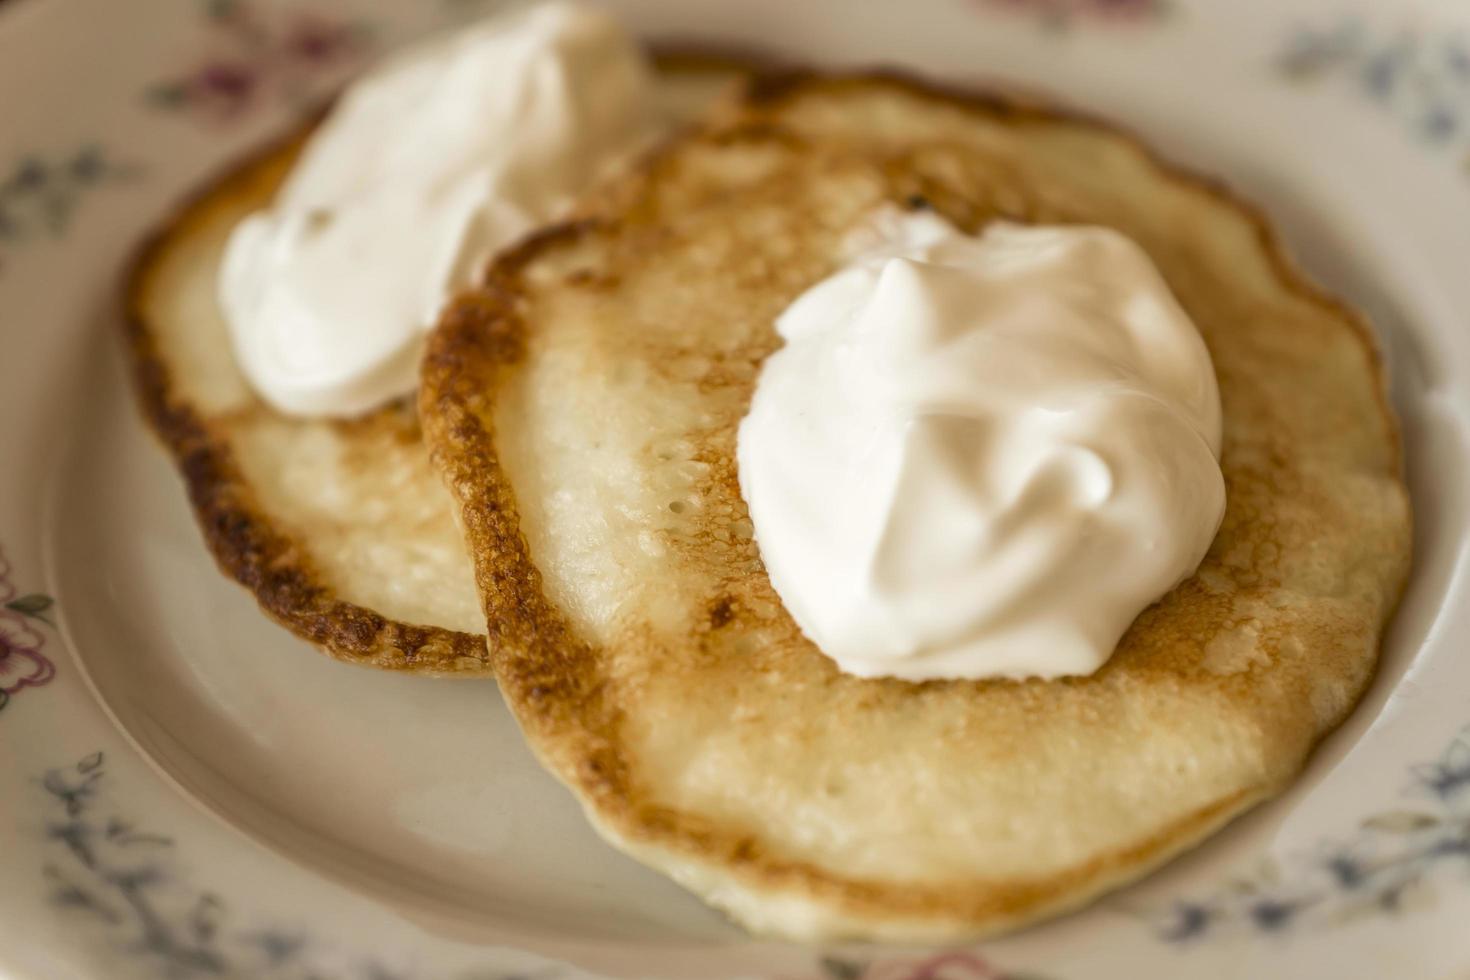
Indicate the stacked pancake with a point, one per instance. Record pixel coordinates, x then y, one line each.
581 405
339 526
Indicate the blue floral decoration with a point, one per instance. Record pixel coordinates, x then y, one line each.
124 883
126 887
1385 867
40 192
1420 77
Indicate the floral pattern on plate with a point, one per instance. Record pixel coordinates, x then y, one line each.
125 881
41 193
257 55
1060 15
954 965
128 882
1384 867
109 870
22 664
1421 77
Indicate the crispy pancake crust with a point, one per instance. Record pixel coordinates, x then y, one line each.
269 513
247 540
702 733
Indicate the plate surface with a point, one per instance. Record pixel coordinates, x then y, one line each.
187 791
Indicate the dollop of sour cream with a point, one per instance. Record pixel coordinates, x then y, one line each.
425 167
982 456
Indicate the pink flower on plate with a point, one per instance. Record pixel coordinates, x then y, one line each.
21 662
941 966
7 591
315 40
309 49
222 89
1061 14
951 965
256 54
1126 9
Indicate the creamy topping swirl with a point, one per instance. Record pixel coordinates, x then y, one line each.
982 456
426 166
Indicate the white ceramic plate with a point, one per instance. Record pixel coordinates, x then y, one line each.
187 791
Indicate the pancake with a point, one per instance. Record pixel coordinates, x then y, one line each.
582 407
341 529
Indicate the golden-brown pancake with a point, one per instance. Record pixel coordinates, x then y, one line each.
340 528
582 406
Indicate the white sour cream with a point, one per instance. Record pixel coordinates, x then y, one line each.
982 456
425 167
